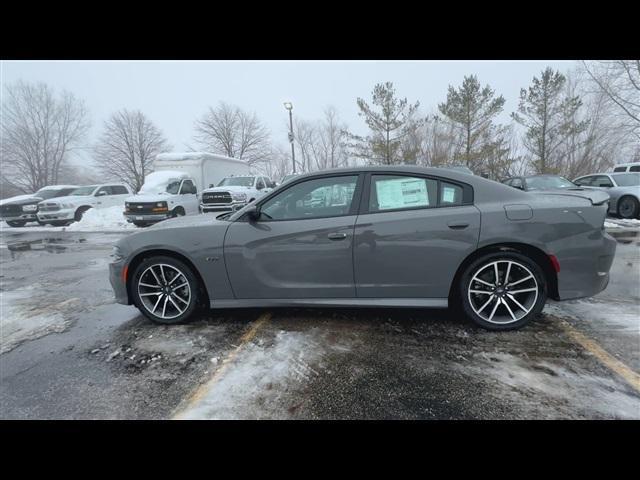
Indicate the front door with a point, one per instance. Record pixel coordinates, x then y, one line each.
300 247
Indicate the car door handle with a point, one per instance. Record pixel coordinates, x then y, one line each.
457 225
337 236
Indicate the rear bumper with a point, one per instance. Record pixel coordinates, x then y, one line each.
149 218
584 269
118 282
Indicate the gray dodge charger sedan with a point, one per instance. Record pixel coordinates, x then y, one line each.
377 236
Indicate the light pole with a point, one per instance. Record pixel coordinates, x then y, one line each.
289 106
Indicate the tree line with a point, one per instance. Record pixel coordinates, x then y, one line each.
565 123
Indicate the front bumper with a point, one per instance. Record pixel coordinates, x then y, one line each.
118 282
148 218
221 207
63 214
24 217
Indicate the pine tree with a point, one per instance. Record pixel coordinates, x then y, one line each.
472 109
390 123
548 114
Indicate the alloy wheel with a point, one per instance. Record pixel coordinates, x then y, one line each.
164 291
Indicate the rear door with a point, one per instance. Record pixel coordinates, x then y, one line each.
411 235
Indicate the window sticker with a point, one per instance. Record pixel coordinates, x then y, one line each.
401 193
448 195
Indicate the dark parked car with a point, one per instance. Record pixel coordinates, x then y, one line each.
377 237
19 212
540 182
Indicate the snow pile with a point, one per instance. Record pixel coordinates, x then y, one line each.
611 225
102 219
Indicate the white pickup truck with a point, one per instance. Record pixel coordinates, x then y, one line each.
233 193
66 210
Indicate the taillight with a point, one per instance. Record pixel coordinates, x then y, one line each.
555 263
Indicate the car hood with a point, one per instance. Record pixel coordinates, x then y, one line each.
187 221
24 201
230 188
71 199
148 198
596 197
15 199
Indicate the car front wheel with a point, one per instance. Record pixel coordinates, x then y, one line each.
16 223
503 291
165 290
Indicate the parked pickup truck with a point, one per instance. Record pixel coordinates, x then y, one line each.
69 209
20 210
233 193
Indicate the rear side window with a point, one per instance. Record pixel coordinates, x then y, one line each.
107 190
635 168
450 194
391 192
119 190
620 169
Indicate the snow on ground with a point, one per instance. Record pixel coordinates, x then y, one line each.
573 391
624 315
621 222
262 374
20 320
102 219
611 225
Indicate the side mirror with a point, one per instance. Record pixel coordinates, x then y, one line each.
211 185
101 193
253 213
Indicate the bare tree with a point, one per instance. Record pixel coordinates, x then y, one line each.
230 131
128 146
39 132
331 151
620 82
279 163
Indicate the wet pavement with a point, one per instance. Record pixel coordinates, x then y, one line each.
68 351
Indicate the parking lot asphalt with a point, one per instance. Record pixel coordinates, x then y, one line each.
68 351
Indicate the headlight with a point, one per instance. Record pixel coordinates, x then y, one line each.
239 197
29 208
117 254
66 205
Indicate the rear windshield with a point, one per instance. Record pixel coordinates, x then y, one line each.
548 183
627 179
236 182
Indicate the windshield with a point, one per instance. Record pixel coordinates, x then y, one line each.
236 182
173 187
84 190
627 179
549 183
46 193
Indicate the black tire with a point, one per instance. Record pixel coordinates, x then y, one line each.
79 213
178 212
628 207
535 306
194 288
16 223
42 224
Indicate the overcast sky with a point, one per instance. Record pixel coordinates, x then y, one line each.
173 94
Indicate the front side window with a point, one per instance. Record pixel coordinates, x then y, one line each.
322 197
548 183
260 183
104 191
620 169
188 187
584 181
119 190
601 181
634 168
84 190
516 183
391 192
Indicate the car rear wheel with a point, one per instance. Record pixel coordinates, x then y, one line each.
16 223
165 290
628 207
503 291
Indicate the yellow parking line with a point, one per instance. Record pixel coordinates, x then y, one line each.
204 389
613 364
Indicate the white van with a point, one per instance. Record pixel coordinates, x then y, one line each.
173 188
627 167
